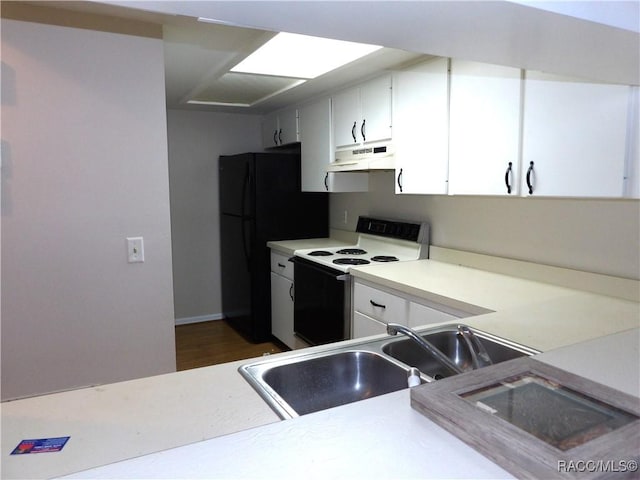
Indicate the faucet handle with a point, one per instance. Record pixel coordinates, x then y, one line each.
479 355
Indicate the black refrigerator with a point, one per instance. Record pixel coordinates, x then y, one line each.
260 200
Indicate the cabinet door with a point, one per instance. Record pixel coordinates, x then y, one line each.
375 107
484 141
575 135
314 122
288 126
364 326
420 128
270 130
282 309
346 117
423 315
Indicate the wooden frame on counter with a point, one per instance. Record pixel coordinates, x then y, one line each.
537 421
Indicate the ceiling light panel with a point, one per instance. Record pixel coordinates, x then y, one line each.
301 56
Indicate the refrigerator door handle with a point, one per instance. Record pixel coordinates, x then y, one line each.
245 185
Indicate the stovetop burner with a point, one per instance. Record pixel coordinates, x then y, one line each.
351 251
351 261
320 253
384 258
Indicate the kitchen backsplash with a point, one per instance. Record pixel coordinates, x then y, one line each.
600 236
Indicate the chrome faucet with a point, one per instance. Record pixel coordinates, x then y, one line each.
394 329
479 356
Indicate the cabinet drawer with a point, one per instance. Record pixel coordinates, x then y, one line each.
281 265
380 305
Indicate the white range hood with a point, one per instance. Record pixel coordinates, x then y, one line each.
362 159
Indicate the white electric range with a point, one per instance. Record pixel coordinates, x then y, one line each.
322 302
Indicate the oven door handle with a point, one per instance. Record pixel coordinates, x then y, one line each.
327 271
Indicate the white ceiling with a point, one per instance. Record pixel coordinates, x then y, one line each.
581 42
198 55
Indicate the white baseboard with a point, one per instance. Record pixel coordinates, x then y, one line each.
198 319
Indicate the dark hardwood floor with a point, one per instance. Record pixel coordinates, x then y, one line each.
211 343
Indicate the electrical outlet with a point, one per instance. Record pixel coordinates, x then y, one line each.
346 216
135 249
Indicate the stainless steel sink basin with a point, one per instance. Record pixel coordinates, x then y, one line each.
316 382
449 342
298 383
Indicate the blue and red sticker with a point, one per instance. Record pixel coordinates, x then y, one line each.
40 445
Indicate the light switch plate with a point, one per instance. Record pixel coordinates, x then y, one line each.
135 249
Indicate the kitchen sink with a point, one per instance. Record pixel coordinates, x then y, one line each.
449 342
316 382
298 383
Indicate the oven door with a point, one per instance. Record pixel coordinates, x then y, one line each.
322 303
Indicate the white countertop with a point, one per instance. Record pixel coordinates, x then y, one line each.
535 314
561 321
223 429
463 288
338 238
382 437
112 422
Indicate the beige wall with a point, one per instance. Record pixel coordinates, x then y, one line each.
196 140
84 152
601 236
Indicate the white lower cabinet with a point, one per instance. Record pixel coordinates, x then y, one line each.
423 315
374 307
282 295
282 309
364 326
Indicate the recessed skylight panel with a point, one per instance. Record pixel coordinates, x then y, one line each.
301 56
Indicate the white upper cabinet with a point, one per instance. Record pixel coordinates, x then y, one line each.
375 102
484 136
420 127
574 137
314 122
280 128
346 117
363 114
316 151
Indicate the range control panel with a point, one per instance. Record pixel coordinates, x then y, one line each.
415 232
